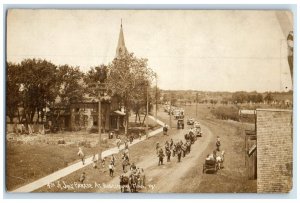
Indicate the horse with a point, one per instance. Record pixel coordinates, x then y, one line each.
190 136
124 183
187 137
220 160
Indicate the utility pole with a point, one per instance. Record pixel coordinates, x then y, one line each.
196 103
147 114
170 117
99 122
155 95
100 116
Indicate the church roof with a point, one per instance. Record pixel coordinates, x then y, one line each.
121 48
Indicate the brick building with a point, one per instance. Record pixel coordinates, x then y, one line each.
274 150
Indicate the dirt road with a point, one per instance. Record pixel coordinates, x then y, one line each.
162 179
173 177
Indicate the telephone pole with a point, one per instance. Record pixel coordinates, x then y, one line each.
99 122
155 95
147 111
101 90
196 103
170 118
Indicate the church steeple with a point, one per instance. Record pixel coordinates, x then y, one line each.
121 48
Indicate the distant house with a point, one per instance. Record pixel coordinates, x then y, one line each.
84 116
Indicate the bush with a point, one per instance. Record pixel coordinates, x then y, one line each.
93 129
61 141
226 113
84 143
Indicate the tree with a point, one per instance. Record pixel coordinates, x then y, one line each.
239 97
269 98
71 84
38 86
128 77
93 78
173 98
13 96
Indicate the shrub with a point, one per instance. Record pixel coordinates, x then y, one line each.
93 129
84 143
61 141
226 113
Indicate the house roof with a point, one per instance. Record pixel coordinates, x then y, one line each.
118 112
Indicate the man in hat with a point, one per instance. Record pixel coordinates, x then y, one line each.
161 157
111 169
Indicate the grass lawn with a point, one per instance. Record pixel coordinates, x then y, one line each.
30 157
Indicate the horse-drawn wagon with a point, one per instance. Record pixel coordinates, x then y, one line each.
210 165
197 130
180 124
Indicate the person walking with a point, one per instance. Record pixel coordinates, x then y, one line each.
103 162
167 145
118 142
168 153
111 169
218 143
142 177
113 159
82 177
161 157
178 151
157 147
94 160
126 143
183 148
81 155
165 129
131 138
171 143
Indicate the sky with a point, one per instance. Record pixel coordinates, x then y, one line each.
205 50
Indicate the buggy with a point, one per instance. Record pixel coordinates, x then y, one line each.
210 164
198 131
180 124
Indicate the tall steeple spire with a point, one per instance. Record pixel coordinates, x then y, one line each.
121 48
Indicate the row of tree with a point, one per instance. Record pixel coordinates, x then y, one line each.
35 84
244 97
225 98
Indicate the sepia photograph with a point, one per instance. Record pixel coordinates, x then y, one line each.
149 101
